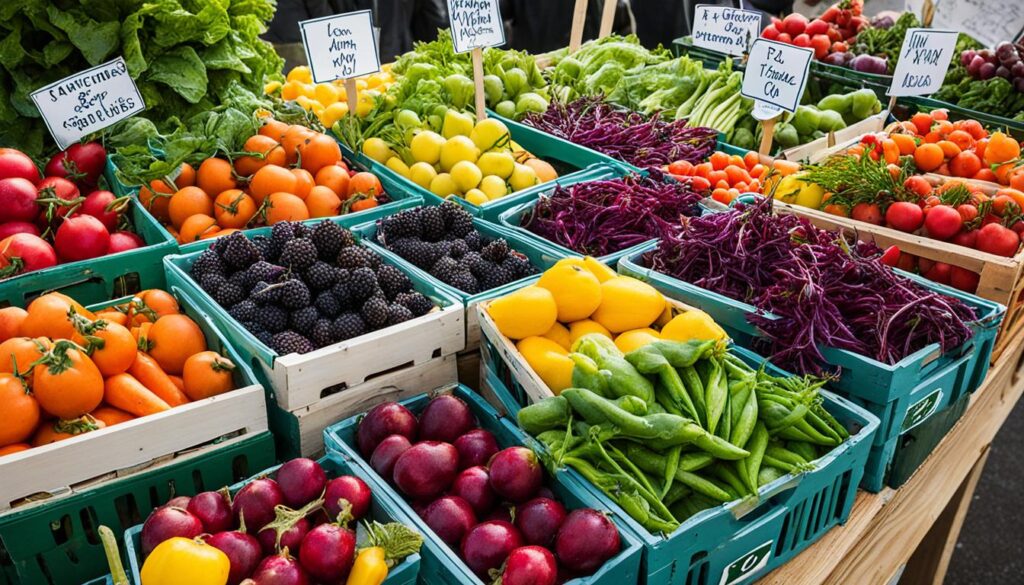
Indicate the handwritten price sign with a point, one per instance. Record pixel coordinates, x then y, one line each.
340 47
776 73
924 59
723 29
475 24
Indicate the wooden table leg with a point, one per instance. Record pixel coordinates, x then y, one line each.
929 563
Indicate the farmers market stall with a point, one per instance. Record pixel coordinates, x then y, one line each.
746 310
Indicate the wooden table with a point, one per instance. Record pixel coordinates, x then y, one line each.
908 535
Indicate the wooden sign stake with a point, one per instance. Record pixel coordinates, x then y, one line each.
478 83
607 18
352 94
892 102
927 13
767 130
579 17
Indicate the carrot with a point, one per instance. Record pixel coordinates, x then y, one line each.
111 416
149 374
177 382
125 392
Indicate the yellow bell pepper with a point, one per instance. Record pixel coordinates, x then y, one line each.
388 545
370 567
183 561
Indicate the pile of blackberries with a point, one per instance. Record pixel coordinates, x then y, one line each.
443 241
306 287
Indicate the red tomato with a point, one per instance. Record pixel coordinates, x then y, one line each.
23 252
943 222
795 24
802 40
770 32
821 44
939 272
967 212
968 239
868 212
891 256
817 27
918 185
904 216
785 38
963 279
996 239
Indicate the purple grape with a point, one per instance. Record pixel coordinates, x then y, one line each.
987 71
974 67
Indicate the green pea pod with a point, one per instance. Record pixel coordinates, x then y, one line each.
637 507
744 425
586 374
649 360
777 417
724 429
695 388
716 394
677 492
830 420
704 486
623 378
752 465
550 413
672 465
691 432
769 474
656 408
682 354
727 473
803 449
739 393
780 453
632 405
656 463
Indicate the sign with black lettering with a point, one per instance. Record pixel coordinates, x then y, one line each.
87 102
475 24
776 73
724 29
924 59
343 46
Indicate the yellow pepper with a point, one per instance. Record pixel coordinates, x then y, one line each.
388 545
370 567
183 561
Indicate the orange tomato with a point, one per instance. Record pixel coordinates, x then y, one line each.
271 179
11 319
186 176
359 203
59 430
962 139
940 114
928 157
295 137
23 352
719 160
267 152
151 304
1001 148
322 202
215 175
111 416
285 207
1016 180
112 347
949 149
273 129
196 227
717 177
233 209
922 123
785 167
1014 195
1002 173
156 197
751 159
334 178
187 202
318 152
722 196
364 183
173 339
905 143
965 164
890 151
14 448
218 233
20 410
113 316
48 316
737 174
303 183
68 384
207 374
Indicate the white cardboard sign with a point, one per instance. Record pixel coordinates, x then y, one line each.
924 59
724 29
89 101
475 24
776 73
343 46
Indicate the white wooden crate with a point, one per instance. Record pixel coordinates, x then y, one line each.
58 469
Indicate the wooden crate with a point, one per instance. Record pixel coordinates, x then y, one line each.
1002 279
61 469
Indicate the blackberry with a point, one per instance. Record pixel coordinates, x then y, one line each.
302 230
327 304
401 225
303 319
288 342
241 280
294 293
280 234
347 326
298 254
496 251
458 221
264 271
375 312
415 302
266 337
355 257
518 266
362 283
497 276
433 223
207 263
450 210
442 248
244 311
474 240
272 318
458 249
477 265
228 294
328 238
265 293
239 252
446 268
321 275
392 280
398 314
212 282
466 282
252 327
323 333
341 294
262 244
420 253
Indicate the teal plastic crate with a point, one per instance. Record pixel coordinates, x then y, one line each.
108 276
956 112
382 509
56 543
684 46
737 542
892 392
440 563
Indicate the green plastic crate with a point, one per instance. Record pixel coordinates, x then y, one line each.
895 393
58 544
382 509
684 46
927 104
108 276
440 563
734 542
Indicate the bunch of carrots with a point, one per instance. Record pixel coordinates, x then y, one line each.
65 370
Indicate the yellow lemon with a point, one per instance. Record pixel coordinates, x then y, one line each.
301 74
494 187
466 175
442 185
550 361
577 292
426 147
333 113
627 341
665 317
599 269
456 124
377 149
325 93
571 261
457 149
559 334
396 164
627 303
526 312
308 90
422 174
476 197
500 164
693 324
490 133
523 177
580 328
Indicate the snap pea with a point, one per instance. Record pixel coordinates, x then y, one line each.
695 388
623 379
716 393
725 423
691 506
550 413
638 508
631 404
615 485
733 494
752 465
769 474
677 492
727 473
649 360
704 486
691 432
745 422
654 462
803 449
656 408
671 466
739 393
682 354
831 421
586 374
780 453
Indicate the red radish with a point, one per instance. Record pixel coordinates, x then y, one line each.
291 537
503 513
586 540
996 239
104 206
476 448
445 418
18 227
255 502
178 502
327 553
794 24
165 523
817 27
516 474
384 456
243 550
213 509
351 489
545 492
904 216
943 222
280 569
18 200
530 565
301 481
388 418
58 196
488 544
426 469
539 520
22 253
473 485
14 163
124 241
964 279
450 517
82 163
80 238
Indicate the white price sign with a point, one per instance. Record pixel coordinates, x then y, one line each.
723 29
340 47
87 102
475 24
924 59
776 74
